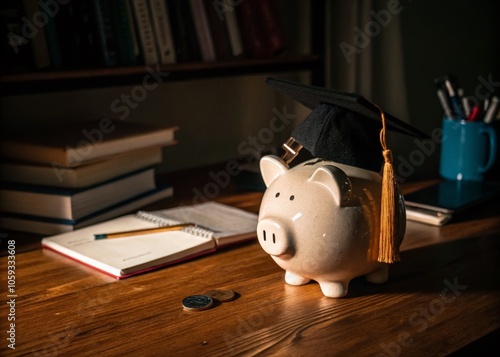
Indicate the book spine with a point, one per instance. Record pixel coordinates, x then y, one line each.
145 32
233 30
107 39
123 29
133 29
273 31
162 31
66 27
219 31
15 49
53 43
87 33
178 31
203 32
39 44
186 43
252 29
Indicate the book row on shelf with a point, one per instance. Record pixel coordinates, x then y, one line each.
56 35
85 173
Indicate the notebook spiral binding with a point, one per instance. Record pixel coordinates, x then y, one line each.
163 222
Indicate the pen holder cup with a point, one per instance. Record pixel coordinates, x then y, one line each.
468 150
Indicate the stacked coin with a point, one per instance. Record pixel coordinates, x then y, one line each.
206 301
221 295
197 302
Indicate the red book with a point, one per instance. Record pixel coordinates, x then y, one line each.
252 29
271 26
219 31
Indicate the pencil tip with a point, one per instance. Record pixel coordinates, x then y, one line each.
100 236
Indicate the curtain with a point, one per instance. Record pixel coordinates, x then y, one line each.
364 52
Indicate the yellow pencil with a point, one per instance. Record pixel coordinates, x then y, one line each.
142 231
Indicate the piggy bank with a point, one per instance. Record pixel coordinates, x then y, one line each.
320 221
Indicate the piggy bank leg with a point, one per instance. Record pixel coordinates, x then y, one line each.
294 279
379 276
333 289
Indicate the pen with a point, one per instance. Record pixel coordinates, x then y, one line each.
142 231
466 106
486 104
454 100
488 118
444 103
475 113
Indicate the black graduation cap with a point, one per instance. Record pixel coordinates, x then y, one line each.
343 127
346 128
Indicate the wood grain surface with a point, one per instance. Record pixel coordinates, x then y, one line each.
442 297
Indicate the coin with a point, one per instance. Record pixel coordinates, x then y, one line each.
221 295
197 302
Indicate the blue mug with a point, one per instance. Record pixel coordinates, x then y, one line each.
468 149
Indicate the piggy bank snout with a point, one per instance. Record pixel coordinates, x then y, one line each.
273 237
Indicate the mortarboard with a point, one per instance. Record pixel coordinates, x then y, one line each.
343 127
346 128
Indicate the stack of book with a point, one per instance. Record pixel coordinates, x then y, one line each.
61 180
97 33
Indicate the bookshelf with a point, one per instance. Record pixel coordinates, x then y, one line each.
39 82
35 82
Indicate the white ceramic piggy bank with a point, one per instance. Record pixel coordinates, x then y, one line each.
320 221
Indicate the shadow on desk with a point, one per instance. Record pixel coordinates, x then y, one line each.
444 263
456 278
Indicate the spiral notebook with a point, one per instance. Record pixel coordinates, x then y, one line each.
217 225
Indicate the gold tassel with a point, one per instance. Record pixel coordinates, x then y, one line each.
388 251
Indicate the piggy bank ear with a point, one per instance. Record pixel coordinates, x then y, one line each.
335 180
270 168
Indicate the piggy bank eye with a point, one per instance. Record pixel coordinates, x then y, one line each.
277 194
292 197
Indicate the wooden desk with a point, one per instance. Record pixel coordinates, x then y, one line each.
442 297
